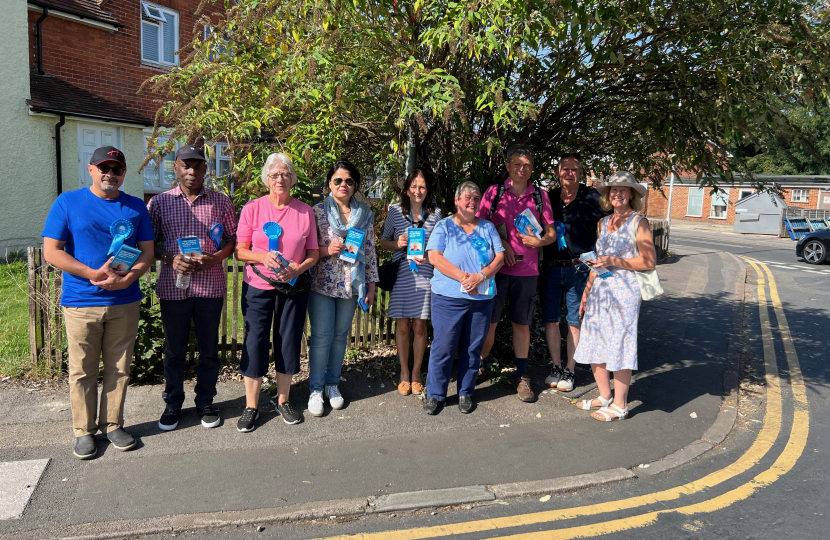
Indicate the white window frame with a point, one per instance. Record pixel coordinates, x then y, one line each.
161 188
801 192
720 196
689 198
160 25
217 156
741 193
148 11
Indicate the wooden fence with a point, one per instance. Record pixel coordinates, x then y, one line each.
47 336
371 329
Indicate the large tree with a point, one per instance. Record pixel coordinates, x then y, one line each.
639 85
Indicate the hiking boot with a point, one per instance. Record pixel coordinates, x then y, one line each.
289 415
335 399
170 419
209 415
121 440
432 406
315 403
554 377
522 386
85 447
566 383
247 422
465 404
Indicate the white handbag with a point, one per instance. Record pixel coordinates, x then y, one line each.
649 281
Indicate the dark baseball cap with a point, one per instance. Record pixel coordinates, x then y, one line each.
190 152
108 153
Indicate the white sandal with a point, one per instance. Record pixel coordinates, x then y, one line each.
588 404
611 413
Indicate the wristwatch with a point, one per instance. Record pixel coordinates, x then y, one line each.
164 259
483 275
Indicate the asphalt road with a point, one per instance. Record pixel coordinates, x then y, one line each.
768 480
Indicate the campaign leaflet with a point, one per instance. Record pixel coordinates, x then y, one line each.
353 242
125 258
591 256
190 246
415 245
526 219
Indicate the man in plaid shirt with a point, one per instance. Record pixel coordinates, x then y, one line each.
190 209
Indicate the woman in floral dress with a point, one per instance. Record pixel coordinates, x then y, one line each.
611 306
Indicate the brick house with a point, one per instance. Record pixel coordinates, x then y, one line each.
71 74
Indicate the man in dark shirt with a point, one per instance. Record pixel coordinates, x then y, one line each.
577 207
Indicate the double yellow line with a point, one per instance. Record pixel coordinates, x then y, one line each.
760 447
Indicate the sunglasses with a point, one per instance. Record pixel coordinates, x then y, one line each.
349 181
117 170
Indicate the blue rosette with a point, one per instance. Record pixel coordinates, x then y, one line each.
273 231
559 227
481 246
216 233
120 230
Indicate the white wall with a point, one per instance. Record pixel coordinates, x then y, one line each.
28 175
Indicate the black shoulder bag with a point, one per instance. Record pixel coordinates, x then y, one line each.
302 285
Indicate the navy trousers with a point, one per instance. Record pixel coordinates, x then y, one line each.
176 316
458 323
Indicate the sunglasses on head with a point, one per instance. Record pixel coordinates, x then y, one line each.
349 181
117 170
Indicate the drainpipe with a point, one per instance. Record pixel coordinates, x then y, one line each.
58 167
40 41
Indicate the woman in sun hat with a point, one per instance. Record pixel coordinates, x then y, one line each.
611 306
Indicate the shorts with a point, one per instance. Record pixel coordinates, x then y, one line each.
556 282
523 296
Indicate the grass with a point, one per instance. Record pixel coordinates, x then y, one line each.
14 320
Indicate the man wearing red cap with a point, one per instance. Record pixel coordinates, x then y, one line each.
85 230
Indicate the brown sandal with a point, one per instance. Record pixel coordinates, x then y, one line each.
405 388
417 387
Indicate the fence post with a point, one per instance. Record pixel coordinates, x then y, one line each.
33 255
235 307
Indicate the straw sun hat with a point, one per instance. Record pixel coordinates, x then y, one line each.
622 179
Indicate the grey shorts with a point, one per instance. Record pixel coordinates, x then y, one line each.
522 293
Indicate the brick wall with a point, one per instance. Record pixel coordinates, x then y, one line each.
107 63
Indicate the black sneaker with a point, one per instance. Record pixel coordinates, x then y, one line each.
209 415
289 415
85 447
121 440
170 419
432 406
247 422
465 404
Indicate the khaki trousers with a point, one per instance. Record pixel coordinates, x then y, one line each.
93 334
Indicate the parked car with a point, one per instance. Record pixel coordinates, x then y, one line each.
814 246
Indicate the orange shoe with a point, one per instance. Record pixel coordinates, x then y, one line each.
405 388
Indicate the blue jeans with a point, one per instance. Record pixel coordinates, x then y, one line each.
330 321
458 323
557 281
176 316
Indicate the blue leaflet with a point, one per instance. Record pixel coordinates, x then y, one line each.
124 258
216 233
559 227
364 304
285 262
354 241
120 230
190 245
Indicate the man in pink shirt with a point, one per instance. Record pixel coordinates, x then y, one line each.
518 278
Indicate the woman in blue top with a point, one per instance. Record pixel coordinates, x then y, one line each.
466 252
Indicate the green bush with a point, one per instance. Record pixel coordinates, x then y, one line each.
148 355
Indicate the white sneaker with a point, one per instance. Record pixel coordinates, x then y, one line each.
555 376
315 403
334 397
566 383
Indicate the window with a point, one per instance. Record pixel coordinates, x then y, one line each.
219 166
694 206
744 193
720 204
800 195
161 178
159 35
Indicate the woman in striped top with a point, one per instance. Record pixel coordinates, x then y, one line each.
409 302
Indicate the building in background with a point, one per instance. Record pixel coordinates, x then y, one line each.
71 74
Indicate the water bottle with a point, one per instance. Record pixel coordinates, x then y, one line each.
183 280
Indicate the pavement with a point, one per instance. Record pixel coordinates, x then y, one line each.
382 452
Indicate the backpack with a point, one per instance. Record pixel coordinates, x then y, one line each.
537 199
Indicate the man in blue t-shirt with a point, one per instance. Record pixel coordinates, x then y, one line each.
84 230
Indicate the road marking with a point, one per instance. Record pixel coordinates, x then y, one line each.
762 444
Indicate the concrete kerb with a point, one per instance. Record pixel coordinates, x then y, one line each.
356 507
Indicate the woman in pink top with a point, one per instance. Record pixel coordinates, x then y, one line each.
266 292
